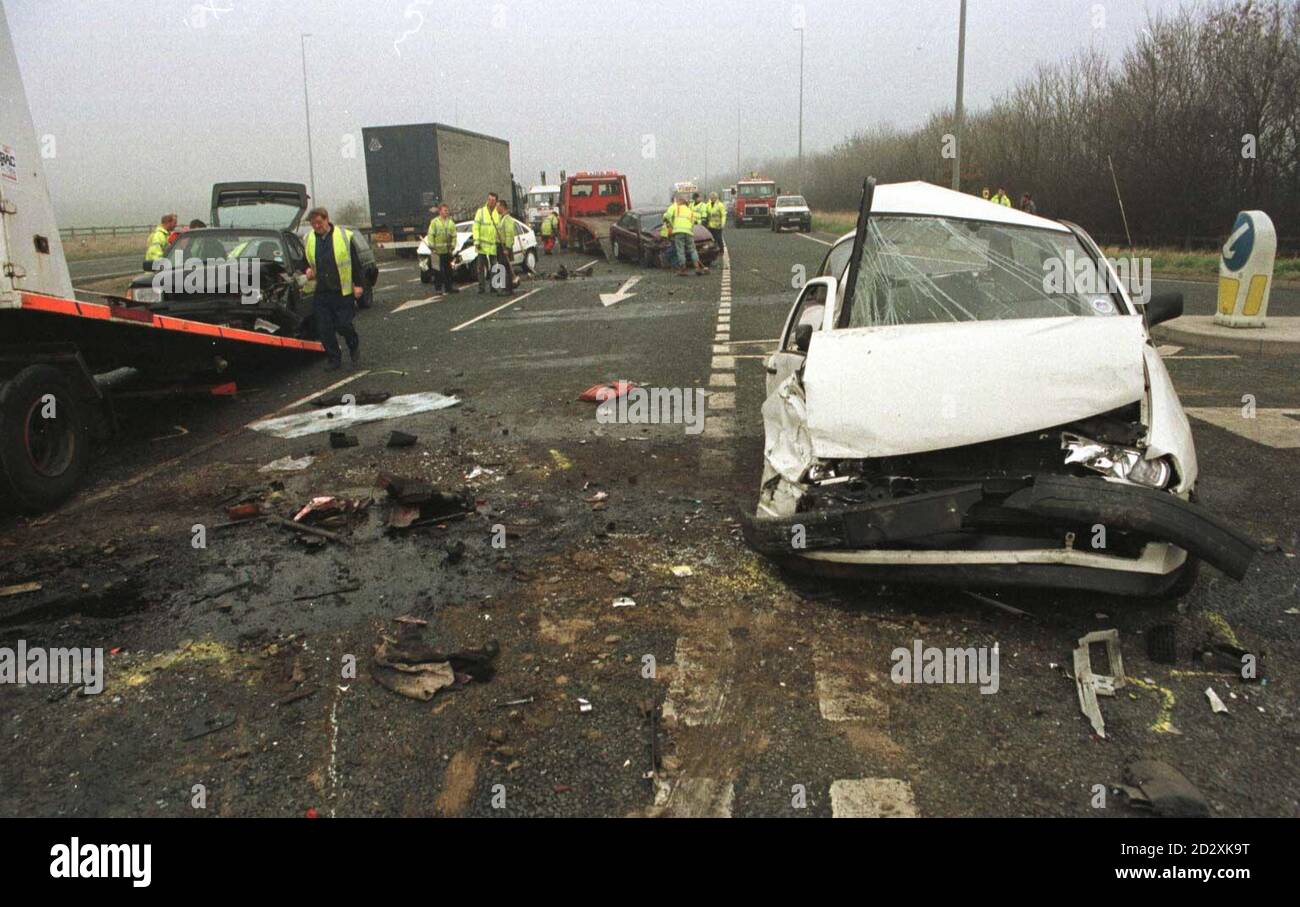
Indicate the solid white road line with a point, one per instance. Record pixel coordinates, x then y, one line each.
824 242
310 397
505 305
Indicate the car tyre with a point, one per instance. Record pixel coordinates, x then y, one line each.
42 460
530 261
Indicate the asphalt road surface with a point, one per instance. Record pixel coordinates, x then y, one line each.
243 668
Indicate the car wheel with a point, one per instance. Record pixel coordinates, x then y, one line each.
618 252
43 440
530 261
648 256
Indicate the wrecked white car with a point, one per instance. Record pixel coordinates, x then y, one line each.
942 408
523 254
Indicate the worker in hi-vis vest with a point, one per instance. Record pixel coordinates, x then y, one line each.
715 218
505 248
550 227
442 243
486 222
330 255
681 221
157 244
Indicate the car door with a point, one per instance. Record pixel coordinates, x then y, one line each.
809 309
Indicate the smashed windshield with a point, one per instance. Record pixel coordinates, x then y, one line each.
921 270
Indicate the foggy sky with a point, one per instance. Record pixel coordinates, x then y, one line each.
149 103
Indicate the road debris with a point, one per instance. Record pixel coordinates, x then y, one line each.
359 398
610 390
19 589
584 706
1162 644
1160 787
1216 704
411 668
341 439
624 601
417 503
245 511
289 464
682 571
309 530
1092 685
400 439
1001 606
336 418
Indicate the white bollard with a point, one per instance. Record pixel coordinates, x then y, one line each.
1246 271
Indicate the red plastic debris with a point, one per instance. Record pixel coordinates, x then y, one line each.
312 814
610 390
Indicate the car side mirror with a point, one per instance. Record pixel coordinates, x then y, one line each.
803 337
1164 307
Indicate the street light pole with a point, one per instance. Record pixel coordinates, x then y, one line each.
959 113
800 30
306 106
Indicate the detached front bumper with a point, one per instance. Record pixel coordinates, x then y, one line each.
896 529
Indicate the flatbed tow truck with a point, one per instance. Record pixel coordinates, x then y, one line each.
590 203
59 355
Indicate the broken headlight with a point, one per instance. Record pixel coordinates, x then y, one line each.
143 294
1126 464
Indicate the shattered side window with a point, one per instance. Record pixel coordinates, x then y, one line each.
923 270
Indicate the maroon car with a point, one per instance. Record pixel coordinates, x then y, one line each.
635 237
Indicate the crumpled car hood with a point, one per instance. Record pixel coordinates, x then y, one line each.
905 389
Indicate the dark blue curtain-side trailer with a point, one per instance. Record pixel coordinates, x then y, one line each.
411 168
402 178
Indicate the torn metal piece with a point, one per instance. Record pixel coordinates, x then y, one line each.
1091 685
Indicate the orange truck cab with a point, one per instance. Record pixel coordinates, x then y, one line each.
755 199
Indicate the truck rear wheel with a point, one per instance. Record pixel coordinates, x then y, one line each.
43 440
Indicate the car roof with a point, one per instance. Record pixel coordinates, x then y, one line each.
269 232
927 199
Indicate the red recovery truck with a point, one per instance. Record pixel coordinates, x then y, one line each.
590 203
755 199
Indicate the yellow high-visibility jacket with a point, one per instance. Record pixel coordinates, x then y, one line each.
506 232
157 243
549 224
486 223
442 236
342 255
716 218
680 218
